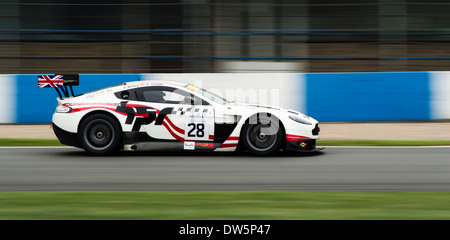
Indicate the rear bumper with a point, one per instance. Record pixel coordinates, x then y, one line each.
65 137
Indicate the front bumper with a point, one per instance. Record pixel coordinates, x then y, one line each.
307 144
302 146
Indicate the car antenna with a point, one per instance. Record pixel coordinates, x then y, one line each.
131 66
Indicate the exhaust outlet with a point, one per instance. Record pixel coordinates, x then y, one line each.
130 147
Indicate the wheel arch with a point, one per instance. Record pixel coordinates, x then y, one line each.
249 119
99 112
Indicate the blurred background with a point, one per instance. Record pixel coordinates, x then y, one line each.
366 69
199 36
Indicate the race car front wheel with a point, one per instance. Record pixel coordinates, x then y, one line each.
100 134
263 137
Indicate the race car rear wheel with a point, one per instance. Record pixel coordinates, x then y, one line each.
100 134
263 137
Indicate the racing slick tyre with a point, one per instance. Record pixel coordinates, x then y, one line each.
100 134
262 135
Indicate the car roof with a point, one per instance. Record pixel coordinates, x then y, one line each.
155 83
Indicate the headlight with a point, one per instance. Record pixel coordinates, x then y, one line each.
63 109
299 120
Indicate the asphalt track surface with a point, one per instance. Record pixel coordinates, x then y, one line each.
379 169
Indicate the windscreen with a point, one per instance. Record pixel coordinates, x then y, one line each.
207 94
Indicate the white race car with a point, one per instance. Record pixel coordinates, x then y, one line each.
162 115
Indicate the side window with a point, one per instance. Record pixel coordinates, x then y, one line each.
168 95
173 97
152 95
126 94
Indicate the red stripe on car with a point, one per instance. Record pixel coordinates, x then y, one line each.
228 145
173 126
172 133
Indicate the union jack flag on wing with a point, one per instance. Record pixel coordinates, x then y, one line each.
50 81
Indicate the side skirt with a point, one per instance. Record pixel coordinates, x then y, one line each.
140 141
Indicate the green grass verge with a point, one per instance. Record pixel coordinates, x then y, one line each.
29 142
55 142
223 205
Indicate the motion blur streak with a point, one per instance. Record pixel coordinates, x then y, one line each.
186 36
7 98
337 169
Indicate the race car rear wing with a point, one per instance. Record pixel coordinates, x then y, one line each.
59 82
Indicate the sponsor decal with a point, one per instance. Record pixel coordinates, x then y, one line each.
189 145
208 145
144 115
196 126
302 144
192 87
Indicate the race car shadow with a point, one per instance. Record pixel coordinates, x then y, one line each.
82 153
299 154
218 154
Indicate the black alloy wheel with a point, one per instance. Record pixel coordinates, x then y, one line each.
100 134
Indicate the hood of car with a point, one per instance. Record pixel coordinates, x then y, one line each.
237 106
251 105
